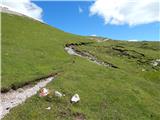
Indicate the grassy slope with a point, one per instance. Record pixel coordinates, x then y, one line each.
31 49
126 93
105 52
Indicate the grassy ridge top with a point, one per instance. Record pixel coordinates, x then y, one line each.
31 49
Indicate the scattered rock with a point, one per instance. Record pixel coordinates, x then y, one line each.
75 98
48 108
58 94
156 62
43 92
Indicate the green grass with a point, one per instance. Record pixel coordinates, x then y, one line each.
31 49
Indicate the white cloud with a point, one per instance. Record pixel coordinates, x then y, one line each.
134 40
80 9
25 7
94 35
132 12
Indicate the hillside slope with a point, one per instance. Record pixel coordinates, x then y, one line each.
31 49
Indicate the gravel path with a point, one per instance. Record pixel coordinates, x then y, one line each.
15 97
87 55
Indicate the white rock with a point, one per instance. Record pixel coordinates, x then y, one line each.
156 62
48 108
75 98
58 94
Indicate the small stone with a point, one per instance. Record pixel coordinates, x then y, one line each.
75 98
48 108
7 108
58 94
43 92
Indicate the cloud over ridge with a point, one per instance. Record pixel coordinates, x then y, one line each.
25 7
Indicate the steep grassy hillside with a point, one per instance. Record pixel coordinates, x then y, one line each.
130 92
31 49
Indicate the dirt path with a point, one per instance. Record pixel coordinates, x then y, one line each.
72 51
15 97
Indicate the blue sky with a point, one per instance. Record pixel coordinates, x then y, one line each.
74 17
